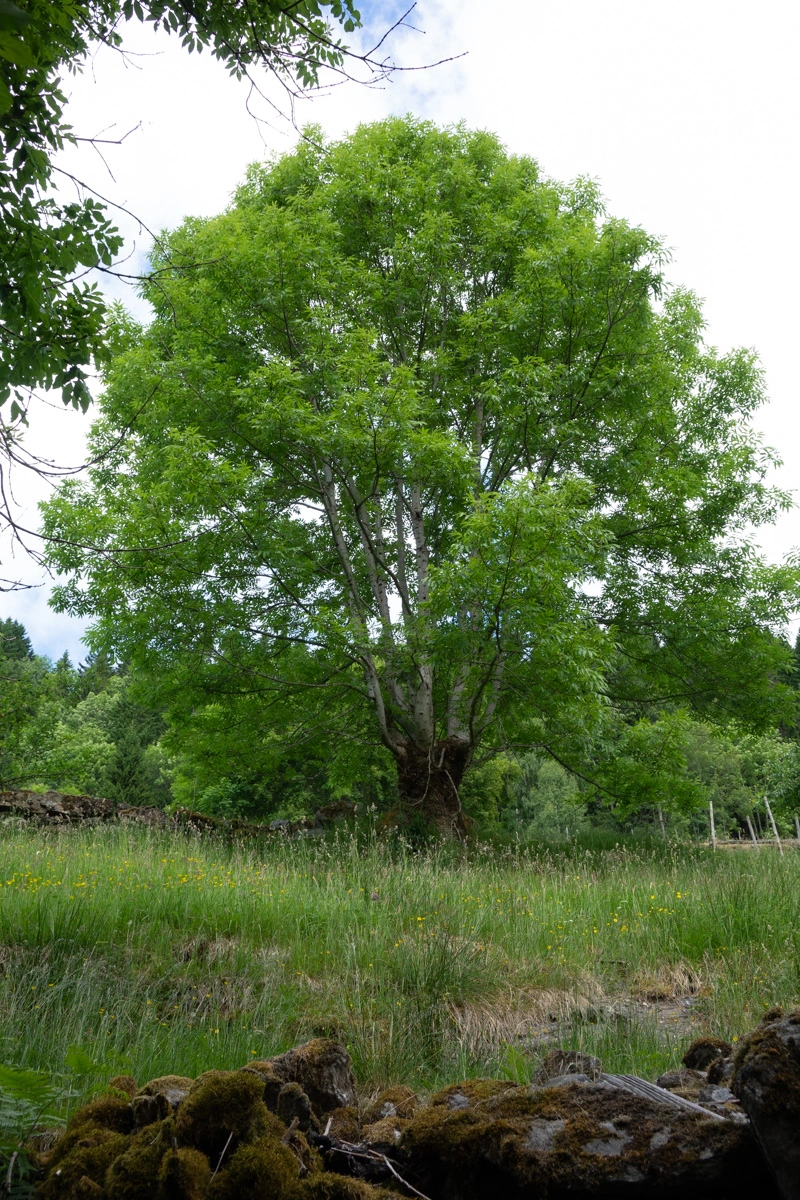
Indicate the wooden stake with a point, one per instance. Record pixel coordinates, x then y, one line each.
774 826
752 833
713 830
664 832
797 827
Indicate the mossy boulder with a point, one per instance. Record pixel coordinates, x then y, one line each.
330 1186
159 1097
294 1105
384 1133
265 1170
110 1112
134 1174
704 1050
184 1174
323 1069
398 1101
344 1124
272 1081
683 1080
573 1139
767 1081
82 1161
223 1108
124 1083
87 1189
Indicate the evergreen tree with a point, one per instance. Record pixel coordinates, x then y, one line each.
126 778
14 640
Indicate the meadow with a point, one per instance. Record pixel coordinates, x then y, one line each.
159 952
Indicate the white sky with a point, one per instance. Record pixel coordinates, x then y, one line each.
685 112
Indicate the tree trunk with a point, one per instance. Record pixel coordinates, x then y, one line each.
429 779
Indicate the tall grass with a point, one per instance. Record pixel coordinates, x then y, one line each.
159 953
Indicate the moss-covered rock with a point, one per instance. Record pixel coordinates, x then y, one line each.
704 1050
271 1079
87 1189
175 1087
85 1157
384 1133
469 1093
294 1105
265 1170
223 1108
344 1124
110 1112
184 1174
159 1097
323 1069
329 1186
134 1174
398 1101
576 1138
683 1079
767 1081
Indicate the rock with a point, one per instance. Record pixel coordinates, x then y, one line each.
174 1088
322 1068
271 1080
224 1109
767 1081
469 1093
711 1094
560 1080
703 1051
384 1133
392 1102
343 1124
567 1062
294 1104
685 1080
576 1139
720 1071
158 1098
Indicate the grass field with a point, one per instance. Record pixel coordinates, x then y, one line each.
162 953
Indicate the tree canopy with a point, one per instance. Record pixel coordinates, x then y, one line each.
424 452
51 318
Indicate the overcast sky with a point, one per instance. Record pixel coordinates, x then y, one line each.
686 113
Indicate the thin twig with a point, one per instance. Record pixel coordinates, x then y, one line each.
349 1149
11 1163
224 1149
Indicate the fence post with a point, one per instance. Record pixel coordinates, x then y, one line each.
797 827
774 826
752 833
713 830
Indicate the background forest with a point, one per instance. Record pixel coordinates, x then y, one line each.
89 729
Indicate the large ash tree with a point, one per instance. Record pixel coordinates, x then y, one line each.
418 449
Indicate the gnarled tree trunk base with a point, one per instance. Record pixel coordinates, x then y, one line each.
429 779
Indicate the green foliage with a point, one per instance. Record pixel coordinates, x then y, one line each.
431 460
545 802
52 323
14 641
79 730
28 1099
